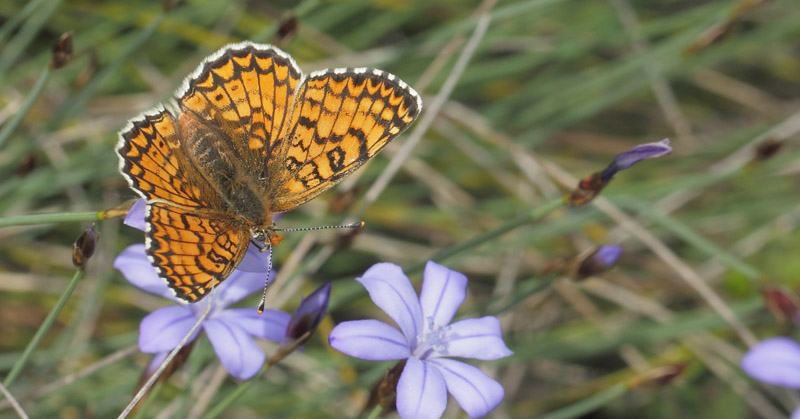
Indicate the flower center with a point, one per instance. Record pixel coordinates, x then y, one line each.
433 339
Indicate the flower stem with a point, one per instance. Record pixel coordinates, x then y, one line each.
43 329
59 217
164 364
526 218
234 395
376 412
12 124
588 404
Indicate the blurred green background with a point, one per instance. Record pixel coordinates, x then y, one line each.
550 91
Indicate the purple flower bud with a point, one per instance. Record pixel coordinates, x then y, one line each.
84 246
308 314
599 261
635 155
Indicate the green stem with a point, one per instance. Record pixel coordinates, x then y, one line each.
588 404
526 218
375 412
43 329
12 124
59 217
140 413
234 395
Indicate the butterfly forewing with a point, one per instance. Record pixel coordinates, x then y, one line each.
246 91
151 160
341 118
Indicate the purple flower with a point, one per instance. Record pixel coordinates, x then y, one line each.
230 330
775 361
425 340
635 155
308 314
599 261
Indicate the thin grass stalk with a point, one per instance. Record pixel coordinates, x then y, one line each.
43 329
12 124
59 217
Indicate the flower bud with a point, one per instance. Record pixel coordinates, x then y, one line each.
308 315
781 303
62 51
602 259
84 246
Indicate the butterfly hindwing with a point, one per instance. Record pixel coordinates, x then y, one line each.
192 252
341 119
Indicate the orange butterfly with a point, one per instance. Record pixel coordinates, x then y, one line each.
250 136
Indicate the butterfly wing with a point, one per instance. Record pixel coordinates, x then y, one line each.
151 160
246 92
192 252
341 119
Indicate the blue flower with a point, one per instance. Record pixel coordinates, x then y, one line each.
775 361
641 152
230 330
426 339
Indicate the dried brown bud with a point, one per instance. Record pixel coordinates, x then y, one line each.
287 28
588 188
62 51
782 303
767 148
661 376
84 246
385 391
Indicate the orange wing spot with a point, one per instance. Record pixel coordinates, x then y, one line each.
281 72
207 83
265 64
219 97
333 104
226 70
373 87
337 87
250 80
395 101
255 144
355 89
325 124
387 114
244 61
196 103
236 91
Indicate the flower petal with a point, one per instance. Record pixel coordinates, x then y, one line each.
476 338
390 289
164 328
270 325
135 216
158 358
636 154
237 351
796 413
309 313
443 291
476 393
421 391
254 260
372 340
239 286
775 361
136 268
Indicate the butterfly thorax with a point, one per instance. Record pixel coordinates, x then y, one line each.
216 160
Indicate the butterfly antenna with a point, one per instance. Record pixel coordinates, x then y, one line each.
263 302
357 224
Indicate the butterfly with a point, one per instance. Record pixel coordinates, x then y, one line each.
249 135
